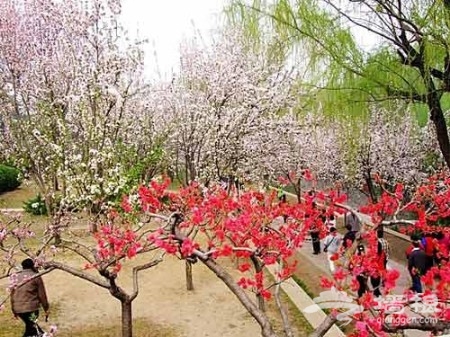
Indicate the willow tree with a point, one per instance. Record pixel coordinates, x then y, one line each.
408 62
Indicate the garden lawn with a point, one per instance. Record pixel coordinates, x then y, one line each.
16 198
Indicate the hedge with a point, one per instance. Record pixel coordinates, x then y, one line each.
9 178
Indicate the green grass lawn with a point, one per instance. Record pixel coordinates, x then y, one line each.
16 198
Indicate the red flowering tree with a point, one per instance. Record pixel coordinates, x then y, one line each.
118 240
428 211
213 227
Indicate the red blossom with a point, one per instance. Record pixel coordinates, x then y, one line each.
126 206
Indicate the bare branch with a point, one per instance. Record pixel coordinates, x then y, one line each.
77 272
326 325
136 271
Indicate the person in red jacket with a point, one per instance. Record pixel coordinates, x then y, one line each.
411 247
429 247
441 252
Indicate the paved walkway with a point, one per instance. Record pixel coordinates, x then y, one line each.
403 282
11 210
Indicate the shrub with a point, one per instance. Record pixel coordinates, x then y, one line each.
35 206
9 178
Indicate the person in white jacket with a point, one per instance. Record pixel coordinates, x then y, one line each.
331 246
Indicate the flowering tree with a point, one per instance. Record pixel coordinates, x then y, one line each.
391 145
292 146
71 97
213 227
117 241
221 96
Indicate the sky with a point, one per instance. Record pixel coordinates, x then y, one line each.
165 23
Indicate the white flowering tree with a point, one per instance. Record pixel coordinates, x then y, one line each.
290 146
71 94
222 95
389 145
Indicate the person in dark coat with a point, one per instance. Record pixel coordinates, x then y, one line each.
27 297
349 237
417 266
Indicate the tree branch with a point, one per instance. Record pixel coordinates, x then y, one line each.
326 325
77 272
137 269
419 324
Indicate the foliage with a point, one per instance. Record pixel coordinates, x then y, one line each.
146 168
406 66
35 206
9 178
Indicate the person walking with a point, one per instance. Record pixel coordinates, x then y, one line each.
27 297
314 231
417 266
383 248
429 247
367 270
331 221
409 249
352 219
356 262
442 244
332 244
349 237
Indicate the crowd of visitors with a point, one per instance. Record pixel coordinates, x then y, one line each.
426 250
369 269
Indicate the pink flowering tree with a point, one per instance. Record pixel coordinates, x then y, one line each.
73 112
221 96
213 227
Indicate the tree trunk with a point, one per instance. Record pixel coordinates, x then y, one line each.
323 328
298 190
252 309
261 302
437 115
438 119
370 187
258 269
189 279
55 183
127 319
93 225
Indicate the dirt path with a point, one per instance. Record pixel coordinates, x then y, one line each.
210 311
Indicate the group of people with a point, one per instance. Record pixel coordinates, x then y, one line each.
427 250
367 269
